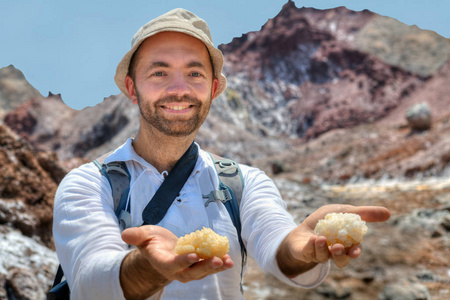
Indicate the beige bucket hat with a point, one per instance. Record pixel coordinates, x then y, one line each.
179 20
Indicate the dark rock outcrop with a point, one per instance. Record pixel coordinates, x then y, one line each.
309 62
23 284
50 125
28 181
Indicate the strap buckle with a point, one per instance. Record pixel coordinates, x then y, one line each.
117 167
218 195
227 167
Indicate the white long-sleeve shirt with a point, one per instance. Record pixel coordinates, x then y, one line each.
88 239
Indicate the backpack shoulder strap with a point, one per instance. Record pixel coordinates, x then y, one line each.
231 186
119 179
230 174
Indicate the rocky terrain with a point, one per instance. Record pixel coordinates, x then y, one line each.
405 258
319 104
28 183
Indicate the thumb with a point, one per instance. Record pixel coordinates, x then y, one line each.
135 236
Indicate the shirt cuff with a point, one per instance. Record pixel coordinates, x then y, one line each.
313 277
100 280
308 279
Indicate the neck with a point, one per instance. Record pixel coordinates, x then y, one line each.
160 150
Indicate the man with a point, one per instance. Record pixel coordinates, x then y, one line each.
173 72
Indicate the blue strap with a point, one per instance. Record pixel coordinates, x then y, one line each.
118 177
228 171
233 211
156 209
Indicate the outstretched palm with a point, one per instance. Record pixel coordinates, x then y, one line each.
307 249
156 244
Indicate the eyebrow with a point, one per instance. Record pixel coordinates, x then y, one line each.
158 64
161 64
196 64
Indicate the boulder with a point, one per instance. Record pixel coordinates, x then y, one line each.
404 290
23 284
419 117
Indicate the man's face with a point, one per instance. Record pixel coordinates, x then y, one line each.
173 83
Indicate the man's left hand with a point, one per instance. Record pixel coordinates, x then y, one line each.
301 250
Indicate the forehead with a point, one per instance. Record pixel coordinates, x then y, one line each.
169 45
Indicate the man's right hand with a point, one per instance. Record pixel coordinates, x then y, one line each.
154 263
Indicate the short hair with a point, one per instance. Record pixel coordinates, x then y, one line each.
133 64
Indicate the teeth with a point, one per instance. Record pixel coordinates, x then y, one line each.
177 107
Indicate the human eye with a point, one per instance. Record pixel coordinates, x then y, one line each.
158 74
196 74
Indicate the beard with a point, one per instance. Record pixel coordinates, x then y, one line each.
175 127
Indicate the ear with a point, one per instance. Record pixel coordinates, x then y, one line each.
215 85
129 83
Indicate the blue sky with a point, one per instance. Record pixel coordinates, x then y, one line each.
73 47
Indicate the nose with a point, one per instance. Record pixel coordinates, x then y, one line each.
178 85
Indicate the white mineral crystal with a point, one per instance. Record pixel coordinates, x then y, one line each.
343 228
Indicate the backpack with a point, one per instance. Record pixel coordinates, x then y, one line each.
231 184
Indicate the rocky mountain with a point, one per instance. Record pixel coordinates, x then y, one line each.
306 72
49 124
326 68
317 99
14 90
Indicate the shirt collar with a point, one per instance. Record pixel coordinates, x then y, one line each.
126 153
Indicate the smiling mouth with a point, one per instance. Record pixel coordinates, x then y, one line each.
178 107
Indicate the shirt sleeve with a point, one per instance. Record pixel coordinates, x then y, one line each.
87 238
265 223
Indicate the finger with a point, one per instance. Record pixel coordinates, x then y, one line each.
367 213
215 263
340 258
371 213
181 262
172 266
354 251
195 268
227 262
321 249
204 268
